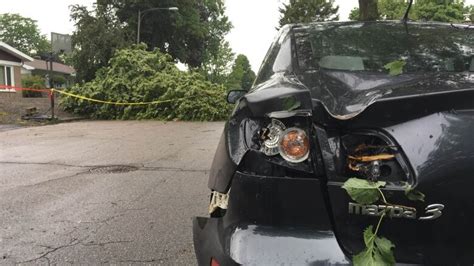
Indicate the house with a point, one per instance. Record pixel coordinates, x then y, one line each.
11 62
63 75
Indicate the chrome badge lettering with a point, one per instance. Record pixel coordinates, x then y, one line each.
432 211
378 210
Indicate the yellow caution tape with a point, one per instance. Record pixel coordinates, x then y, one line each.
110 102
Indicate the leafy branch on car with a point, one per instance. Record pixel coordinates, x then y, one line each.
395 68
378 250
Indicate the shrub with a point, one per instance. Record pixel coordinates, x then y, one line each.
58 80
137 75
33 82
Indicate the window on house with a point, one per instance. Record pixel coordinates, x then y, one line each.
6 78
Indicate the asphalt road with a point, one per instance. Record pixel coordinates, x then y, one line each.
103 192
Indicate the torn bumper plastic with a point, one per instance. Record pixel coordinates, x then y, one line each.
269 221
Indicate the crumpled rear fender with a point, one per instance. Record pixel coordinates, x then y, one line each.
279 94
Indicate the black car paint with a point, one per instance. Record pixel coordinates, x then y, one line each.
285 210
441 157
429 116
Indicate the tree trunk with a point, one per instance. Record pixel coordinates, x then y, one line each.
368 10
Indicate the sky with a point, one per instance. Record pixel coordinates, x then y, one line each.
254 20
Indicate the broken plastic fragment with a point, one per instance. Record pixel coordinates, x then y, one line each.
218 200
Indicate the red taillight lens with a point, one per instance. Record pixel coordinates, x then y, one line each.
214 262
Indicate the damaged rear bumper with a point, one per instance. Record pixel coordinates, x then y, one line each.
264 245
269 221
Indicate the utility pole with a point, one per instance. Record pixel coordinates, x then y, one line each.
139 23
50 82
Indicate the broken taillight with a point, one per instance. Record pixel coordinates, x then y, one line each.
214 262
294 145
291 144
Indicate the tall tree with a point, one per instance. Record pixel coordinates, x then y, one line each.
23 34
387 9
98 34
470 12
368 10
242 75
216 66
187 35
427 10
304 11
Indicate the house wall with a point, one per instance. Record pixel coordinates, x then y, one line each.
9 95
17 76
4 56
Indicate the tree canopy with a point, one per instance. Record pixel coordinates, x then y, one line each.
23 34
304 11
242 76
98 34
191 35
426 10
217 65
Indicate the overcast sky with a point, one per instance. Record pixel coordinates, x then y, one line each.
254 20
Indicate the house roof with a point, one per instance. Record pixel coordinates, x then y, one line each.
38 64
7 48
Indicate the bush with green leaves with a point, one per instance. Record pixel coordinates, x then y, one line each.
135 75
33 82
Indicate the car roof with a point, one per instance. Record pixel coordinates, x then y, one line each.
381 23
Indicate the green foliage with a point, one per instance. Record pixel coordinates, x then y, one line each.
413 194
33 82
470 12
216 66
392 9
58 80
425 10
354 14
242 76
445 11
23 34
191 35
363 191
291 103
395 68
304 11
378 250
98 34
136 75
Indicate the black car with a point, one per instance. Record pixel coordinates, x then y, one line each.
337 108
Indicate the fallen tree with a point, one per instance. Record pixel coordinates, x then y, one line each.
135 75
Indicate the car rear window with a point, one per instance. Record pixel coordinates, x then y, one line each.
371 46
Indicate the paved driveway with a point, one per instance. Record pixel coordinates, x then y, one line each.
103 192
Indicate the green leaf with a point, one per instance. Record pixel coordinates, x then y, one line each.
291 103
395 68
369 236
363 191
364 258
378 250
384 249
413 194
